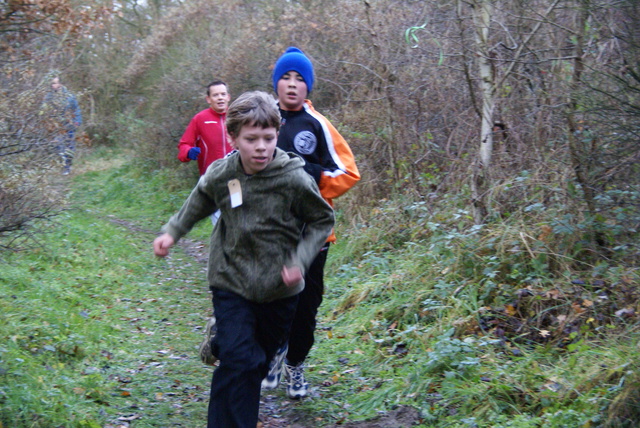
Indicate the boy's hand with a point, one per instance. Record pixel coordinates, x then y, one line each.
162 244
291 276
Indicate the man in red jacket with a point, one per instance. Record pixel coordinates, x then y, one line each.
205 139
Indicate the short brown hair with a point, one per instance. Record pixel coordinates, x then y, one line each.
216 83
255 108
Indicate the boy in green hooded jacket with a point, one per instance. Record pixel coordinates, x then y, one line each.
273 223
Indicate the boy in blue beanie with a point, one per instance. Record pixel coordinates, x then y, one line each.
329 160
293 60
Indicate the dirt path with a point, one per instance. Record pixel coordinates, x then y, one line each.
276 409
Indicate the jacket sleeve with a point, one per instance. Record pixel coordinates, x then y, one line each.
76 110
188 141
334 183
314 170
319 220
198 206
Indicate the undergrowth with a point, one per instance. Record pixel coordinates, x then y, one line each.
477 326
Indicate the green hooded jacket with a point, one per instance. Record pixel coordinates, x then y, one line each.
283 220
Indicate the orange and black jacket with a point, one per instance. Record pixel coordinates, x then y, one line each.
328 157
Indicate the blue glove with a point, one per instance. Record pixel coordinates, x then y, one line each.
193 153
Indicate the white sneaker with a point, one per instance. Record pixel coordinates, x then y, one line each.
275 368
296 385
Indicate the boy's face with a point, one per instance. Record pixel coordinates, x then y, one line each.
292 90
218 98
55 84
256 146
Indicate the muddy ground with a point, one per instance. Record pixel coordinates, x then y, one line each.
279 412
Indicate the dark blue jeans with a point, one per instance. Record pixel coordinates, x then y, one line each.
304 325
248 335
66 145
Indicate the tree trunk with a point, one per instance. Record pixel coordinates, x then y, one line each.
387 78
482 19
482 11
582 155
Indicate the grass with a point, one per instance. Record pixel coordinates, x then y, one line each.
93 329
97 332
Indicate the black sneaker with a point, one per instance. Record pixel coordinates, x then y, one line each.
206 355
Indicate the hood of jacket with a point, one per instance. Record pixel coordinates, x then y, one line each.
282 163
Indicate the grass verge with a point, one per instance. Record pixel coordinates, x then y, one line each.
97 332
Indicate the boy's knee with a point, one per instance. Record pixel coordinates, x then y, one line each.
243 359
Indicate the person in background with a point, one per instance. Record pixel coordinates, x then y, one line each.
65 112
329 160
205 138
273 220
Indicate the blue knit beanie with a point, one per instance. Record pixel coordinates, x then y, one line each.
293 60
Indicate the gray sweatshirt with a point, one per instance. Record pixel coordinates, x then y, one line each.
282 220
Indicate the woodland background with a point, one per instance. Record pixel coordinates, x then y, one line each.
526 108
514 121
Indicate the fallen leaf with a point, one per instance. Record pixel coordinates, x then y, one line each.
625 313
553 294
400 349
546 231
577 308
553 386
129 418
